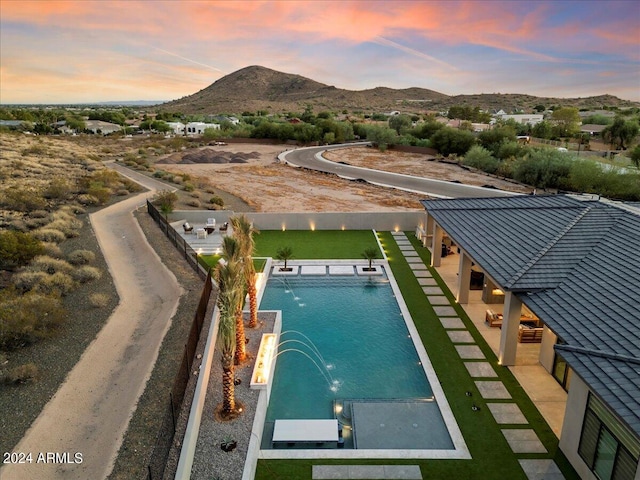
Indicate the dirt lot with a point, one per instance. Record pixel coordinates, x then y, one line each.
269 186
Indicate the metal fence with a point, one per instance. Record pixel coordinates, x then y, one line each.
164 440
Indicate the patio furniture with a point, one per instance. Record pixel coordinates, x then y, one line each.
493 319
201 233
187 228
211 222
209 229
224 227
527 334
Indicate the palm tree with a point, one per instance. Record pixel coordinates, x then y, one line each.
370 253
245 231
229 288
284 253
232 254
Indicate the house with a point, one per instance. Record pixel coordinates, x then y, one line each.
198 128
177 127
592 129
223 118
105 128
573 262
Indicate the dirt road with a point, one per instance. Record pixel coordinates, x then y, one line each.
78 433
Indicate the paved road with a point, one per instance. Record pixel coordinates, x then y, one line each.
311 158
90 412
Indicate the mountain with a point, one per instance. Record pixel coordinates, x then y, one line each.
258 88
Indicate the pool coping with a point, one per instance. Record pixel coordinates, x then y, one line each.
460 450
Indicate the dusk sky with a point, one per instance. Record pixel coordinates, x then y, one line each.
100 50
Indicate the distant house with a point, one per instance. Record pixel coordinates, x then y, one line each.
198 128
177 127
224 118
105 128
11 123
525 119
592 128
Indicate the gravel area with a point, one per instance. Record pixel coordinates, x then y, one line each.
210 461
56 356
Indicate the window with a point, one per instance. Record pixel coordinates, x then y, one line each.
609 449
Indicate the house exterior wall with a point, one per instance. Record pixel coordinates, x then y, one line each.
547 353
524 119
572 427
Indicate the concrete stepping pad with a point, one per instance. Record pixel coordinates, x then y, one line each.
541 469
460 336
427 282
422 274
507 413
438 300
432 290
480 369
523 440
450 323
469 352
445 311
492 389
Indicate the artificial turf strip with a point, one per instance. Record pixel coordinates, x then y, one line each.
318 244
491 456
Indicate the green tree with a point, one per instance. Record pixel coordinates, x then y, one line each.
451 141
244 230
228 277
232 254
399 123
382 137
284 254
566 120
481 158
542 129
370 254
621 133
493 139
166 202
635 156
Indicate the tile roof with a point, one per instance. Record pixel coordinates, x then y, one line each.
574 263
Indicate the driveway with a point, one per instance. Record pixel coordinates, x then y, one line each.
311 158
85 421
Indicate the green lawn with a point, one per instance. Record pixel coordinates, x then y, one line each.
491 455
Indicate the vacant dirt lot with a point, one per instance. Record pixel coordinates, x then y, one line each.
269 186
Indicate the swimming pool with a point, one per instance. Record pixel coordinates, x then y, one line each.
344 341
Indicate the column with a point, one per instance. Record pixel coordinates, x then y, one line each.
428 230
436 245
510 325
464 278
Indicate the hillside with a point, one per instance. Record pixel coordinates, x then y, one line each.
258 88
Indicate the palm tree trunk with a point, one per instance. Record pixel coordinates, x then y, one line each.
241 350
253 302
228 387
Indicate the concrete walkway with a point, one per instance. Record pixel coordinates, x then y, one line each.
85 421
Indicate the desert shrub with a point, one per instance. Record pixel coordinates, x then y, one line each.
99 300
34 150
81 257
481 158
33 223
194 203
49 235
58 189
23 200
50 265
99 191
75 209
195 194
186 177
39 214
21 374
216 200
18 248
544 168
28 280
58 284
210 190
88 200
159 173
66 226
188 187
86 274
52 249
122 192
27 318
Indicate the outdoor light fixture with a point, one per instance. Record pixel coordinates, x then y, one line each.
497 291
264 361
284 227
312 226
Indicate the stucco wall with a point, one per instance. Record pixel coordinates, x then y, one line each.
383 221
572 426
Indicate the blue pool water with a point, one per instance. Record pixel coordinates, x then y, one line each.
342 338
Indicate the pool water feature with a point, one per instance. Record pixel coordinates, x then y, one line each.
344 340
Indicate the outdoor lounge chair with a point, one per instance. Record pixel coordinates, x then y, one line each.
211 222
187 228
224 227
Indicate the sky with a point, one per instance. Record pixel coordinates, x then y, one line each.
83 51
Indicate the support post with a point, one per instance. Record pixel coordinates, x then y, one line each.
464 278
510 325
436 245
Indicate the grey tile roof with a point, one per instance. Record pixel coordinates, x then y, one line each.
616 380
574 263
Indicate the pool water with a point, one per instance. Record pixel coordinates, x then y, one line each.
342 338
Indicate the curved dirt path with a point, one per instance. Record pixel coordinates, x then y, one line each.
86 419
